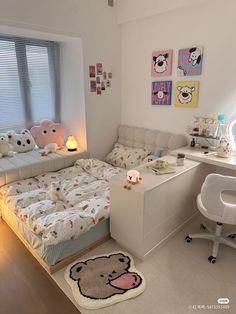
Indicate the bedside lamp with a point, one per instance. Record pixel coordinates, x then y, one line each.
71 144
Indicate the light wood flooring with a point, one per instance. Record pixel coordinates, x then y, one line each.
25 288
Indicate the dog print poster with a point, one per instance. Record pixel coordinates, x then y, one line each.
186 94
161 63
190 61
161 93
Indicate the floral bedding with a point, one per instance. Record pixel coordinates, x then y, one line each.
87 200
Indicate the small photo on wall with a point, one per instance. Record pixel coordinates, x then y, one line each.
93 86
161 63
161 93
92 71
98 79
190 61
103 87
99 68
99 91
186 94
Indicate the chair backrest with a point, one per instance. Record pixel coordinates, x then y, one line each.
211 194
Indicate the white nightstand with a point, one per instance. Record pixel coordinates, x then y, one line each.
152 211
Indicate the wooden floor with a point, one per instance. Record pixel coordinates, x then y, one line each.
25 288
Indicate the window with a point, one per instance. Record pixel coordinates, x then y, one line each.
29 82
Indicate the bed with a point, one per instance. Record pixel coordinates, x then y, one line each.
56 234
55 231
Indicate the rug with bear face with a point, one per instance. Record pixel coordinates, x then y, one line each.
104 280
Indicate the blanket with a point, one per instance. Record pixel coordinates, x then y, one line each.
87 200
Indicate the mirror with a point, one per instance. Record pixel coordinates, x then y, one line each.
231 131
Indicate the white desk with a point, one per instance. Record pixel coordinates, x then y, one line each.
211 159
155 209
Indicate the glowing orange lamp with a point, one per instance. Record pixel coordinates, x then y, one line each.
71 144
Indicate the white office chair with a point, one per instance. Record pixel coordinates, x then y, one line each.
214 207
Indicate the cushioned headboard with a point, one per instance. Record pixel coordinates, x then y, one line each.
150 139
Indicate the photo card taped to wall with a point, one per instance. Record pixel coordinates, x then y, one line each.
161 63
98 79
161 92
186 94
190 61
103 87
99 68
92 71
99 91
93 86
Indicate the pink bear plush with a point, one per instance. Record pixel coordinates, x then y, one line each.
48 132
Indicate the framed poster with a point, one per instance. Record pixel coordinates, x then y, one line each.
161 63
186 94
190 61
161 92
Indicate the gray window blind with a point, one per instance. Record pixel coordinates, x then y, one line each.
29 82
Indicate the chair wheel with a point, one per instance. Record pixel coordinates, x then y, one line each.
212 259
232 236
202 227
188 239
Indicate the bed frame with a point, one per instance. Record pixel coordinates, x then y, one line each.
59 265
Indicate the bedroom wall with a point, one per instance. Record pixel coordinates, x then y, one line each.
95 23
208 24
129 10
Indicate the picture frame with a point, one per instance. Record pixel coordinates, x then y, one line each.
161 93
161 63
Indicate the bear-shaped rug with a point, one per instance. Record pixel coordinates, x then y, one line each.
103 280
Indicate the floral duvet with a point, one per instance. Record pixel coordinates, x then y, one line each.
86 200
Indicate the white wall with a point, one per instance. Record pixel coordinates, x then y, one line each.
129 10
211 25
95 23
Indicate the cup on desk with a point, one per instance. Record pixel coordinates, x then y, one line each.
180 159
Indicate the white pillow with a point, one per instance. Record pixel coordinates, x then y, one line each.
126 157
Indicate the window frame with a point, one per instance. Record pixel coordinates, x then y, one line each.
53 49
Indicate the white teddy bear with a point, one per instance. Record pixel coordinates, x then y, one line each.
55 193
5 146
22 142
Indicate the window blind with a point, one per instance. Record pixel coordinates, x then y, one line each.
29 82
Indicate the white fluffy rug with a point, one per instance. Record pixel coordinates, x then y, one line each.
103 280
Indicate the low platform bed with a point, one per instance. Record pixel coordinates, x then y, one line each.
58 232
54 257
58 235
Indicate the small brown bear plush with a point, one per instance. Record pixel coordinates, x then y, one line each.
105 276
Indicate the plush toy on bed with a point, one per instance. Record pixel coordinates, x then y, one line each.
50 148
21 143
48 132
55 194
5 146
133 177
